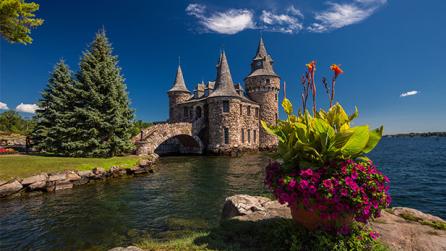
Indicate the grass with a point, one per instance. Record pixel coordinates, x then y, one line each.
272 234
21 166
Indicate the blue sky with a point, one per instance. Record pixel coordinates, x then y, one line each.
386 48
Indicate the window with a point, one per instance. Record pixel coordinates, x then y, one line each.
267 81
185 112
276 96
225 106
241 109
248 110
198 112
243 135
254 134
257 112
191 113
226 134
277 117
249 135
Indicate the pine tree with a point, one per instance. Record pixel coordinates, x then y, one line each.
102 119
49 133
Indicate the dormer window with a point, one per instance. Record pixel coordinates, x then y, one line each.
259 64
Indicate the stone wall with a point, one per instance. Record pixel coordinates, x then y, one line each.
234 122
264 90
50 182
176 98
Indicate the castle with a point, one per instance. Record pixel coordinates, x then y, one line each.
223 114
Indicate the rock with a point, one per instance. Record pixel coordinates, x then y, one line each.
2 182
64 184
401 234
82 181
37 185
253 207
138 170
35 179
98 171
129 248
396 231
85 174
144 163
72 176
57 177
116 171
10 188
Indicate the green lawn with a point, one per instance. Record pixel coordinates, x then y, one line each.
26 165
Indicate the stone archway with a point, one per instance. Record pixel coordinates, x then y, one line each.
154 136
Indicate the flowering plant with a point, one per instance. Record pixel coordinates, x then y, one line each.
321 163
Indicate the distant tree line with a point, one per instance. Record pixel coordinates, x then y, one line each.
419 134
87 114
12 122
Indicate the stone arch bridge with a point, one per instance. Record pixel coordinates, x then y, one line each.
168 137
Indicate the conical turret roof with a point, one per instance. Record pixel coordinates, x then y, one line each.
179 84
262 63
223 84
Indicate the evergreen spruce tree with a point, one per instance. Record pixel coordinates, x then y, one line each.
101 119
49 134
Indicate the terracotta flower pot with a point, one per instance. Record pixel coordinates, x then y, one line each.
311 219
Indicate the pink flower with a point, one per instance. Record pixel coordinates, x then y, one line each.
303 184
306 173
327 183
312 189
292 184
374 235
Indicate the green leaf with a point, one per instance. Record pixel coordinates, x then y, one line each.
354 115
374 138
357 141
287 106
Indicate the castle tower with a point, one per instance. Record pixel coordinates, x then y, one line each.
224 117
177 95
262 85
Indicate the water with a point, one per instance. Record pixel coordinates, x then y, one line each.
121 211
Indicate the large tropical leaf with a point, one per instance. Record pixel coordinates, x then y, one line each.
357 141
374 138
287 106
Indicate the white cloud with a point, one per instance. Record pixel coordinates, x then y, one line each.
281 22
28 108
294 11
230 21
341 15
3 106
410 93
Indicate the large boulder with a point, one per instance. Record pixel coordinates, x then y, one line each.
72 176
400 228
85 174
253 208
10 188
37 185
33 179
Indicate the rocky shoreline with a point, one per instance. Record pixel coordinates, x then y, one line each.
51 182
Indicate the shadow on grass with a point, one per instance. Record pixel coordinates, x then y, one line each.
269 234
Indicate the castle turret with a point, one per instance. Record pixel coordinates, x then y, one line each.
177 95
262 85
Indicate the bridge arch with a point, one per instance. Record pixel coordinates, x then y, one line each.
159 136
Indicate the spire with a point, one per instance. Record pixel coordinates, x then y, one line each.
223 84
262 63
179 84
261 50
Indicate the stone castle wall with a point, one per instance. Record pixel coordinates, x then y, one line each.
266 94
234 122
176 98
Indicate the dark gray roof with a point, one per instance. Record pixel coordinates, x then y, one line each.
223 84
179 85
264 59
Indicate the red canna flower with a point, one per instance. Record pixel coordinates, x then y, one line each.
311 66
336 69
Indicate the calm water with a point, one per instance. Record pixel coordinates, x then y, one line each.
121 211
